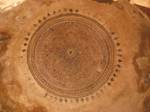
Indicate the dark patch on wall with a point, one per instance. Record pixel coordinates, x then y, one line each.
4 36
4 39
142 60
145 10
6 103
146 104
104 1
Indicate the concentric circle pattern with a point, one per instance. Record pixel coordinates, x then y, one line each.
71 55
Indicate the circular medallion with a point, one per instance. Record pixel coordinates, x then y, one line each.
71 55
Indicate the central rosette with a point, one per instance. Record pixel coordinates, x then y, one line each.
70 56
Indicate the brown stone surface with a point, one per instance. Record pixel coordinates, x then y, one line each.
74 56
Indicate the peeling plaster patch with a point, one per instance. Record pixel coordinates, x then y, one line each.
142 60
8 4
145 3
4 37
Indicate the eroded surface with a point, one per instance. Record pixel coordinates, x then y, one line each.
126 90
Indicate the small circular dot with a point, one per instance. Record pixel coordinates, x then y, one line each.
114 75
115 38
48 14
26 39
34 24
118 44
109 83
54 12
60 99
70 10
112 79
66 100
119 60
77 100
23 50
112 33
118 65
82 99
119 50
39 21
25 44
46 94
117 70
54 70
76 10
